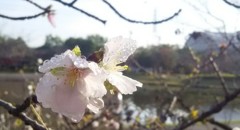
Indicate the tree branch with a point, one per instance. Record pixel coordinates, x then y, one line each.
219 124
141 22
231 4
17 112
219 74
71 5
23 17
73 2
27 102
35 4
44 11
80 10
208 62
215 109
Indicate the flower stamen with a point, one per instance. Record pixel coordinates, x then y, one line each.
74 74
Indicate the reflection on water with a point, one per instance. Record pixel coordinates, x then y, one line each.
228 114
133 112
150 112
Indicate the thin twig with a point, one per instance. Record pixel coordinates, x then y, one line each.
231 4
82 11
230 43
23 17
73 2
141 22
39 118
35 4
44 11
219 74
215 109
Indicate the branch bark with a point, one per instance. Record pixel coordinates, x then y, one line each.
215 109
80 10
71 5
23 17
231 4
18 112
140 22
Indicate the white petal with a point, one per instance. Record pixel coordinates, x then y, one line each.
124 84
55 94
94 68
63 60
45 88
95 104
80 62
117 50
94 85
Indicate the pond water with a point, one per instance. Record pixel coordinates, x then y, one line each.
146 101
151 103
228 114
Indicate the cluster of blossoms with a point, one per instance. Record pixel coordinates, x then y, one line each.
72 83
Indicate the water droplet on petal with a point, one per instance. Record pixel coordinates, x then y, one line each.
74 120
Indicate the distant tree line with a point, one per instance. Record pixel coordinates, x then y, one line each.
15 55
164 59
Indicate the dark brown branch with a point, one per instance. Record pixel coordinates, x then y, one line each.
141 22
82 11
215 109
27 120
219 124
35 4
44 11
27 102
211 120
231 4
23 17
73 2
71 5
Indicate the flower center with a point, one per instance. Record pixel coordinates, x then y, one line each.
73 74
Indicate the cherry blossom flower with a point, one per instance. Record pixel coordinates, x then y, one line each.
70 85
117 51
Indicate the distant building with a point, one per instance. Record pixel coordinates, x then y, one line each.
211 41
204 43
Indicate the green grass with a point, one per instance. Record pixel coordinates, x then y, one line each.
214 75
178 80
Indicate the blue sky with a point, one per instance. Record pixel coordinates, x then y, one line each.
197 15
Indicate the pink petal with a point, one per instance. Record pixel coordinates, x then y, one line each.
55 94
50 17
